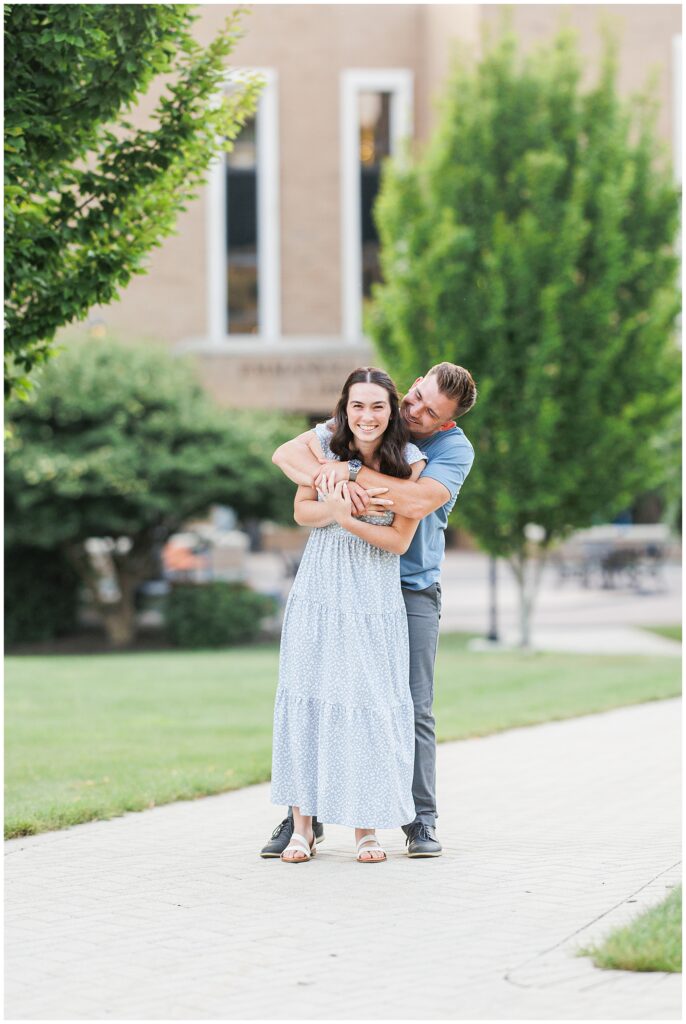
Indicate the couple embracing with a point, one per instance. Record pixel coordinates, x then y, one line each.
354 735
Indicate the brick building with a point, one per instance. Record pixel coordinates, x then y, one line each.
266 279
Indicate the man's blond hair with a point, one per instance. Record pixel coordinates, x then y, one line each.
456 383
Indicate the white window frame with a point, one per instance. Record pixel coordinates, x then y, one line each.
677 141
677 106
398 82
268 241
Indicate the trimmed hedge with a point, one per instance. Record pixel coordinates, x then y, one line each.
215 614
41 595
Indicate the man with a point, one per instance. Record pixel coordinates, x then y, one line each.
429 409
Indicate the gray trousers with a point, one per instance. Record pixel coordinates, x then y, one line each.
423 609
423 613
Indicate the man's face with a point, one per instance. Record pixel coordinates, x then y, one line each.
425 409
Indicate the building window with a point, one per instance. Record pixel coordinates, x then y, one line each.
241 233
376 118
243 225
374 112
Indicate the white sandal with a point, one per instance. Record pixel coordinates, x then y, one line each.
301 844
370 860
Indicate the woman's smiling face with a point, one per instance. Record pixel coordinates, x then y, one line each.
368 411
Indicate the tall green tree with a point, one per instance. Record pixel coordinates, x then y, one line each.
124 445
533 241
88 195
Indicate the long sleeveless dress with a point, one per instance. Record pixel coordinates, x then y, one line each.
343 742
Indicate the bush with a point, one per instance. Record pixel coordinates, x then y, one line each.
41 595
215 614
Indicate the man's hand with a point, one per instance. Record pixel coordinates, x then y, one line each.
339 470
367 499
362 499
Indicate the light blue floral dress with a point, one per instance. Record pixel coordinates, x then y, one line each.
343 745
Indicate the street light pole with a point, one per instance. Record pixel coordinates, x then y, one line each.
493 586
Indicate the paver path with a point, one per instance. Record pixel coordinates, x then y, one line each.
553 835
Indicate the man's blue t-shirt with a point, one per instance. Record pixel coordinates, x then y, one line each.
450 457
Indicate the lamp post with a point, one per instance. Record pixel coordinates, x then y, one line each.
493 586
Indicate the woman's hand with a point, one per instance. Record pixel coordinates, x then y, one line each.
336 498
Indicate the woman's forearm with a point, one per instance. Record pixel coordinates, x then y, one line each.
312 513
384 537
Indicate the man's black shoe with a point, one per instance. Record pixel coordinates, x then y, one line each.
281 837
421 840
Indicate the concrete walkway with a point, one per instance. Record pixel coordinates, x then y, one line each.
553 836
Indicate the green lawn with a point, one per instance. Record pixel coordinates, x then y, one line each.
652 942
92 736
671 632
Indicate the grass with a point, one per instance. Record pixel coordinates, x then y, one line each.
671 632
93 736
651 942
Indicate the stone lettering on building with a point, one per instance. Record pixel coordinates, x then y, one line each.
309 384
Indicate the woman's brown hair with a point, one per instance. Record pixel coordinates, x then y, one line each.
392 450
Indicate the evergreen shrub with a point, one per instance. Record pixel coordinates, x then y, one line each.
215 614
41 595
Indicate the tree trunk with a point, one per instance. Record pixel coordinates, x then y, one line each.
130 568
527 572
119 620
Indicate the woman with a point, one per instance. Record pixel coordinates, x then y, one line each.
343 717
